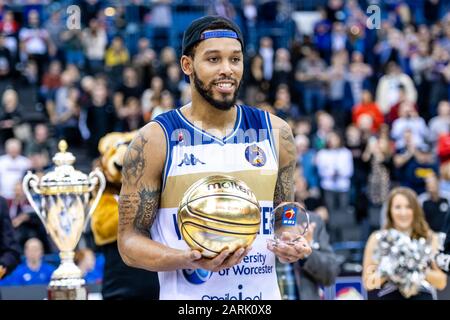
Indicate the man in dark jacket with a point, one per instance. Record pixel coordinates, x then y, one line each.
443 258
9 248
321 267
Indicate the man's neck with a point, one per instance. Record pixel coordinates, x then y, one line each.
34 265
209 118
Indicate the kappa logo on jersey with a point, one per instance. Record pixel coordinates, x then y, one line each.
289 216
190 160
255 156
197 276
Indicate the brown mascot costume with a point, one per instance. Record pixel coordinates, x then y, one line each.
119 280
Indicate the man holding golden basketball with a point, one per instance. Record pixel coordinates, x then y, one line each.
211 135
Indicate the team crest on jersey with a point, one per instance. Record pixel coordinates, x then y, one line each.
255 155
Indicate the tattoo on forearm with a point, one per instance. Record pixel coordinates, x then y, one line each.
284 189
134 162
146 211
127 209
287 141
138 210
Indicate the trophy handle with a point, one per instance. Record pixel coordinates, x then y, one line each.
100 177
32 180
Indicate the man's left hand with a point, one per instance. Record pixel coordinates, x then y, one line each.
289 253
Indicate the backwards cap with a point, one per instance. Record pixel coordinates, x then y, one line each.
200 29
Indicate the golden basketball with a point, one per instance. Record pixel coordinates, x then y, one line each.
216 212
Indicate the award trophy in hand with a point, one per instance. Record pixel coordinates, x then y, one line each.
290 221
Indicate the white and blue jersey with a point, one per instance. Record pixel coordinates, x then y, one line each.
248 153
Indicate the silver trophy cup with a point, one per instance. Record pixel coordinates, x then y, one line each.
61 199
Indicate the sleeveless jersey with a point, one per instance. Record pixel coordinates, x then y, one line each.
247 153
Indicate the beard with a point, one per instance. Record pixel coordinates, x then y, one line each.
206 91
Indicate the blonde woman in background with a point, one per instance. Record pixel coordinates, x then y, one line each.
405 215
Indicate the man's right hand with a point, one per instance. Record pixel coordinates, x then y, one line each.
225 259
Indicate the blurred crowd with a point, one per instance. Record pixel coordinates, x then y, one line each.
369 106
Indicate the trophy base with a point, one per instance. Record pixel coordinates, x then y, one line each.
67 294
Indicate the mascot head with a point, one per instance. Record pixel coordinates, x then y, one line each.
105 219
112 148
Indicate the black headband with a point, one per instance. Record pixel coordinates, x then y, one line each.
200 29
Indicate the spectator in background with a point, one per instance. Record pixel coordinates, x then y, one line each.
310 73
388 87
404 214
303 127
256 86
267 52
438 89
55 26
116 57
356 141
394 110
321 268
6 65
150 96
35 42
421 63
101 117
33 270
51 81
161 21
9 248
335 168
338 89
166 104
13 167
339 38
322 34
378 155
440 124
282 69
94 42
65 111
145 60
368 107
90 9
10 115
435 203
25 221
129 87
325 124
409 120
222 8
134 119
167 57
73 47
306 160
173 82
309 197
283 106
85 260
42 142
414 163
358 73
9 29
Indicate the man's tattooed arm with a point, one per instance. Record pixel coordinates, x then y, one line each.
134 161
139 201
284 189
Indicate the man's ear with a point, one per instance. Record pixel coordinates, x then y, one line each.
186 63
